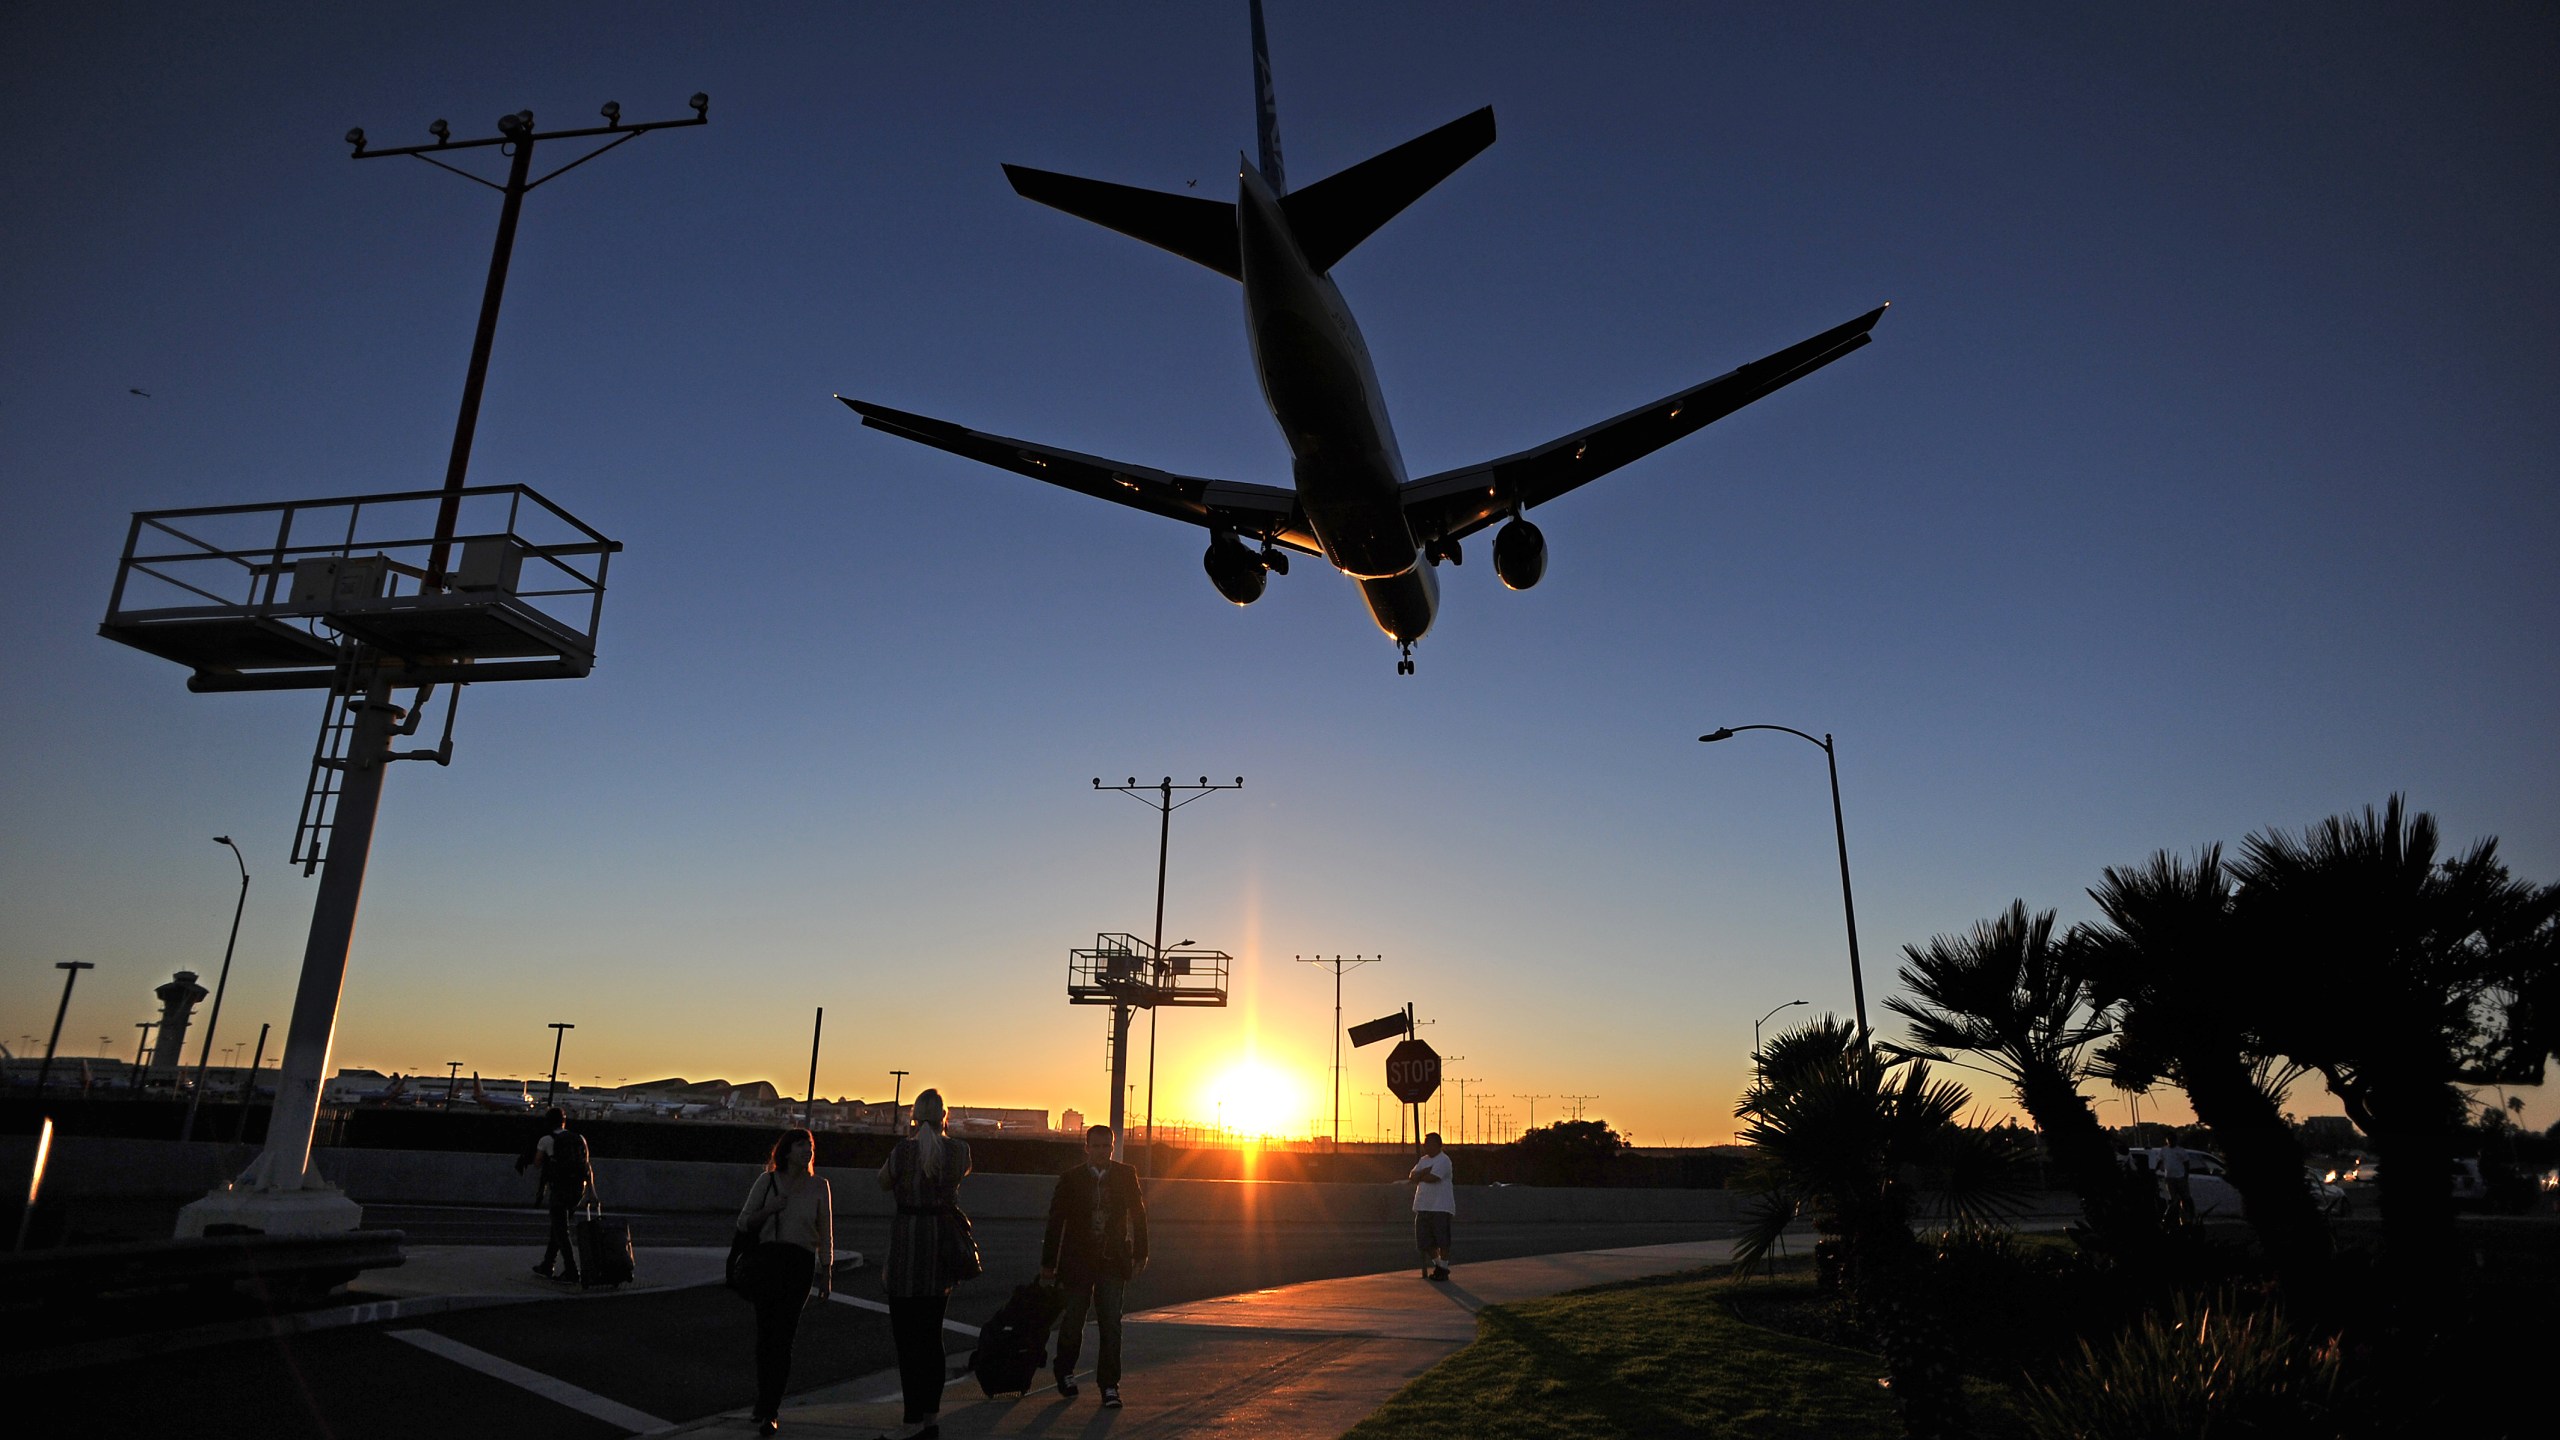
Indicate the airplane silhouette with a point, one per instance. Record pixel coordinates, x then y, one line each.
1352 504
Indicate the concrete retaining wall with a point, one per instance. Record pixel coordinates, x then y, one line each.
106 1168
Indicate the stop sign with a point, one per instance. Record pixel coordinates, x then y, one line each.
1413 1071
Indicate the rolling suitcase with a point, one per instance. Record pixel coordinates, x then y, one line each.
604 1249
1014 1343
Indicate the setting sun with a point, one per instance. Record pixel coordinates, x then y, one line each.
1251 1098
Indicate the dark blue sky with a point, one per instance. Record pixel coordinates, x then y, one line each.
2200 480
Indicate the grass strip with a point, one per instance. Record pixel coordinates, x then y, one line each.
1650 1358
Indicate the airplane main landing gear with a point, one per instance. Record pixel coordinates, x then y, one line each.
1404 666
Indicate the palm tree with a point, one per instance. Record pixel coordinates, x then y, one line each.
1834 1127
2010 995
2409 968
2189 998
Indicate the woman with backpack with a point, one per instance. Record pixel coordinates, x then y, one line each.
792 1216
930 1250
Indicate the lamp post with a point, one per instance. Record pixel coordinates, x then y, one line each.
559 1033
1337 965
1840 834
70 973
1760 1067
187 1129
897 1092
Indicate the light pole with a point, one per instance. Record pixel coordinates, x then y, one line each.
897 1092
187 1129
1164 805
1441 1120
452 1081
1337 965
1759 1066
1533 1107
141 1043
1462 1082
559 1033
70 973
1839 833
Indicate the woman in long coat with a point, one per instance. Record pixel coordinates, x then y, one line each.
791 1214
923 1172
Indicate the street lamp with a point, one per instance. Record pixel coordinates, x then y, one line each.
70 974
1758 1065
1839 833
187 1130
559 1032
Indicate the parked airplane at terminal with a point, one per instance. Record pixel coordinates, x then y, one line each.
1353 503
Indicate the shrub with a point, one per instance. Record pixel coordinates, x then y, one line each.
2209 1368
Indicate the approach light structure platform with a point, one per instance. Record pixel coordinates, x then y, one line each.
1125 970
280 596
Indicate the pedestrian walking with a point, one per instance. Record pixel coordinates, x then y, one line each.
792 1215
2174 1171
1094 1245
929 1251
1435 1206
566 1175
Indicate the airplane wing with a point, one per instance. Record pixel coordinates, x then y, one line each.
1457 503
1265 512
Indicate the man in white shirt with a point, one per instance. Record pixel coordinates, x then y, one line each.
1435 1206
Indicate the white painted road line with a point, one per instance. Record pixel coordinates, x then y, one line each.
586 1402
858 1302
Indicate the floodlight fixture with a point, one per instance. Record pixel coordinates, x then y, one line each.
612 112
440 130
701 104
355 137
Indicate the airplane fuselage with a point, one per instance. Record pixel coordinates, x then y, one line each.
1317 377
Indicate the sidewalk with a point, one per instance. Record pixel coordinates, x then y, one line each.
1308 1360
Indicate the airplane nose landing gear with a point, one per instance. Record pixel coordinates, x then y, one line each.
1404 666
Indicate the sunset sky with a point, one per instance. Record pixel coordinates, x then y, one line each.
2200 480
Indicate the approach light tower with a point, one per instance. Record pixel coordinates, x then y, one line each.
1126 973
361 598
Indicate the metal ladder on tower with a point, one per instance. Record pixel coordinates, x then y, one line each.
347 692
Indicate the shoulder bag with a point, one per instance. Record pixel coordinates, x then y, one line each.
742 1274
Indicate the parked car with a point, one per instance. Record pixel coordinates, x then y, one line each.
2470 1187
2208 1183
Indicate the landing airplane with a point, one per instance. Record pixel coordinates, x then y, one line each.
1353 504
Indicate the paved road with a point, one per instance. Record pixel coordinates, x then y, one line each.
679 1355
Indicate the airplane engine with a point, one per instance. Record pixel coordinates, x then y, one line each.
1237 572
1519 555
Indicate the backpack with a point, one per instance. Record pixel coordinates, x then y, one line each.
567 1171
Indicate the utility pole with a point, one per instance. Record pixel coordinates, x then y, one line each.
1337 965
809 1106
559 1033
1440 1122
187 1129
70 974
1165 805
1533 1106
249 1087
1462 1082
1577 1102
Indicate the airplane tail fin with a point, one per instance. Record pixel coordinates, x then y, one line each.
1336 213
1266 109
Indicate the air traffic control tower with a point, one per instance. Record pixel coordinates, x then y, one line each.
378 602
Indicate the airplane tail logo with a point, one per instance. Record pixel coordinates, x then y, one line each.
1266 108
